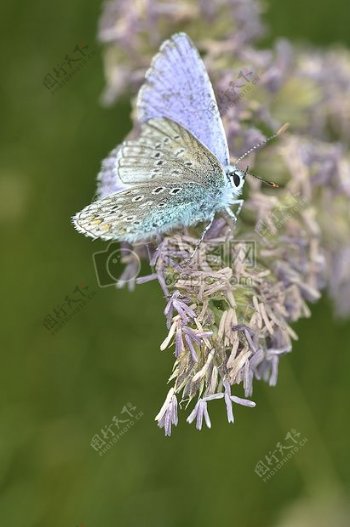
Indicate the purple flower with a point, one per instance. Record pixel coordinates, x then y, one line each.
229 399
131 36
230 319
167 415
175 303
200 411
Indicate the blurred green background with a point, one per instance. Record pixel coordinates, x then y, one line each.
60 390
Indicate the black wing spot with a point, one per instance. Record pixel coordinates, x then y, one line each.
179 152
158 190
137 198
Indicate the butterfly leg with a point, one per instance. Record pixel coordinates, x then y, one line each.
203 236
238 202
231 216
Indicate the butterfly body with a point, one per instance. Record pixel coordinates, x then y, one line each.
177 172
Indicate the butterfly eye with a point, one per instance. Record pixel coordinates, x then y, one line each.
236 179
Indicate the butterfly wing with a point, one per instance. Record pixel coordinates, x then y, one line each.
163 149
146 210
177 86
179 183
108 179
166 150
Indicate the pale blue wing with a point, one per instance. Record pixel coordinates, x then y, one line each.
177 86
166 149
108 179
163 148
148 209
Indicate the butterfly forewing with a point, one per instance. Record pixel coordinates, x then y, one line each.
178 87
166 150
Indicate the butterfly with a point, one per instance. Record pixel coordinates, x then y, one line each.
177 173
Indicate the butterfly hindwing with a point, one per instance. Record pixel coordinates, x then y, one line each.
108 179
145 211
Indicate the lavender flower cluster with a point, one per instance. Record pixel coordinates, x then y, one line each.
228 318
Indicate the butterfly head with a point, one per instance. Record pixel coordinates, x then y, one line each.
236 177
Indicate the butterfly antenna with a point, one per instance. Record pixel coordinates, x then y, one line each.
259 145
270 183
